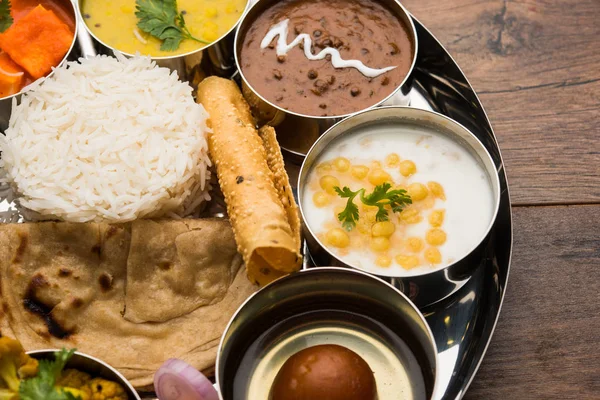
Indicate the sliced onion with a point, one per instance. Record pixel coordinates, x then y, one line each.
13 74
177 380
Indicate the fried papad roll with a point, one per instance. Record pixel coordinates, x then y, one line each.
260 204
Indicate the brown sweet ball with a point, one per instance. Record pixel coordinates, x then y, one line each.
325 372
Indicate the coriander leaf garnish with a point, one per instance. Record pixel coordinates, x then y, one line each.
350 214
161 19
6 19
380 197
43 386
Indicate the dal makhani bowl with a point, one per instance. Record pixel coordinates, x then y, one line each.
401 193
306 64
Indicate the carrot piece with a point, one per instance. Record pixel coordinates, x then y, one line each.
37 42
11 76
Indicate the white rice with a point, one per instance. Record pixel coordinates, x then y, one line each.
108 139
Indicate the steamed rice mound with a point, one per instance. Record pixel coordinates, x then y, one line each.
108 139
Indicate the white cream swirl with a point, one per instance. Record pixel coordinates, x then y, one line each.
281 29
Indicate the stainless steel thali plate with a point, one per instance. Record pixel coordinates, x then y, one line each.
463 323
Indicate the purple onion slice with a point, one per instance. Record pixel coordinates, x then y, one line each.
177 380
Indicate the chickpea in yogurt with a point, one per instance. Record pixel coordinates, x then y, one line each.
450 201
386 240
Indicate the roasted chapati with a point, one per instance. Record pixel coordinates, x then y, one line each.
64 285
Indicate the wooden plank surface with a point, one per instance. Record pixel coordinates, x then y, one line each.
545 344
536 66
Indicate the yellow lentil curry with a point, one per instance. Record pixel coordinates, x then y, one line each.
114 23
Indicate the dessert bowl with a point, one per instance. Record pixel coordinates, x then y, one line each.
328 306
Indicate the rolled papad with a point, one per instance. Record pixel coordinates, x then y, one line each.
280 177
261 208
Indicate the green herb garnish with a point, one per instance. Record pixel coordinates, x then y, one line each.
43 386
161 19
380 197
6 19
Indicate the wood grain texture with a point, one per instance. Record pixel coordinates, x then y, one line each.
536 66
545 344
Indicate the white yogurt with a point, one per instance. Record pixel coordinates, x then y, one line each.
469 203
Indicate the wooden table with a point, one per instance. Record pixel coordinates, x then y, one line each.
536 67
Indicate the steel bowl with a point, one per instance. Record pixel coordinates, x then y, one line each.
269 316
430 287
215 59
297 132
91 365
6 103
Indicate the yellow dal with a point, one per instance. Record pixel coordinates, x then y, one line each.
114 22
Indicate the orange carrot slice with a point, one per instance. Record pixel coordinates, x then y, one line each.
11 76
37 42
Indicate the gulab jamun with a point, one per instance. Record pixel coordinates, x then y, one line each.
324 372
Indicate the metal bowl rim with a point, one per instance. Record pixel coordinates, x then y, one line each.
305 272
452 61
64 59
412 31
124 381
158 58
494 183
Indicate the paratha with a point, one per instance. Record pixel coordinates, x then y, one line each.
174 268
63 285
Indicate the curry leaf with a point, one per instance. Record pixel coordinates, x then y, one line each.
6 19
